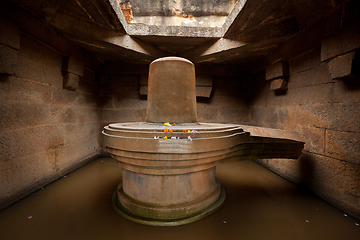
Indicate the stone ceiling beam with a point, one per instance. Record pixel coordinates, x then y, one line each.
96 36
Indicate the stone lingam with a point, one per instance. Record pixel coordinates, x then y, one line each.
169 162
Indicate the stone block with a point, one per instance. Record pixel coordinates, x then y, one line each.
129 101
278 69
73 65
37 72
76 131
124 80
314 76
311 95
122 115
228 101
308 116
346 91
9 34
29 140
15 89
208 114
70 81
306 61
313 137
143 90
37 50
203 91
342 41
73 155
343 145
263 116
63 97
278 84
204 80
337 116
17 115
234 115
8 60
23 175
343 117
344 66
71 114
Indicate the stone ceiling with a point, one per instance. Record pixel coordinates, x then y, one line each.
250 30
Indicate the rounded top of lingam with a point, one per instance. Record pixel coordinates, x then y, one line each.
172 58
171 91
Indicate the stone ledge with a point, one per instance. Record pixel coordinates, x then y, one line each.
345 66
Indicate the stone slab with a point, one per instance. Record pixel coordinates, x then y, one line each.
340 67
36 71
15 89
70 81
26 174
314 76
72 98
72 114
233 115
278 69
74 132
204 80
143 90
29 140
343 145
208 114
70 156
278 84
202 91
311 95
17 115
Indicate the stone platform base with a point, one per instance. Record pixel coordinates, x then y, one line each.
120 197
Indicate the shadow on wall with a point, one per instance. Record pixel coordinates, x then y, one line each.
306 168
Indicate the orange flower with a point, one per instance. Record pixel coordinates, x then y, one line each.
166 130
174 124
184 130
170 130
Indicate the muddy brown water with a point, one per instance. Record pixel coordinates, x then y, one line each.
259 205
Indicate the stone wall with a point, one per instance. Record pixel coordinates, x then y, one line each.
320 101
46 130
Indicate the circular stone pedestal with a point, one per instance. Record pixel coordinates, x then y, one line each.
170 181
168 200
